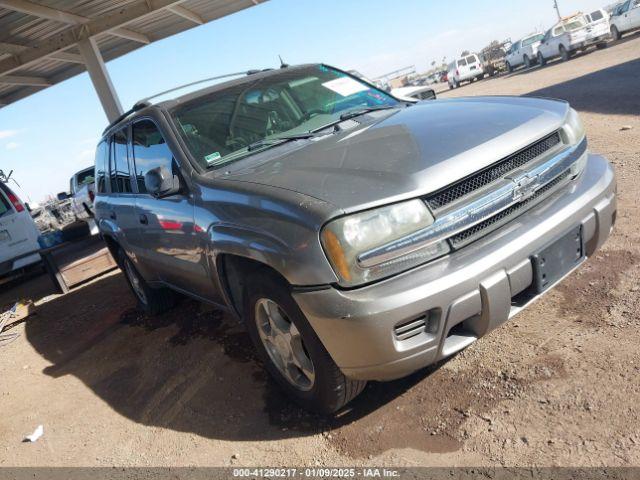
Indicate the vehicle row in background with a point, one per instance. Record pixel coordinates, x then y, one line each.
573 34
523 52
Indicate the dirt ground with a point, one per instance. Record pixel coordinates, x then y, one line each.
558 385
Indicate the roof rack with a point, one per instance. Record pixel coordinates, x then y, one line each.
145 102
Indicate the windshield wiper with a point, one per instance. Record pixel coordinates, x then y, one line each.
266 142
362 111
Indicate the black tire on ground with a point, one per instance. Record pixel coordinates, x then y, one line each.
541 60
152 301
564 53
527 61
330 390
509 67
615 33
602 45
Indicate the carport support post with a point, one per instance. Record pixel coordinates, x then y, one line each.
100 78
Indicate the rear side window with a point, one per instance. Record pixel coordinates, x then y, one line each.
472 59
149 151
120 177
462 63
597 15
5 207
102 164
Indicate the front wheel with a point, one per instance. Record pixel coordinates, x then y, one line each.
527 61
509 67
564 53
615 33
290 349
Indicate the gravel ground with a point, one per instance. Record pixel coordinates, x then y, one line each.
558 385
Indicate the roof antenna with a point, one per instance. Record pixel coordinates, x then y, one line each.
282 64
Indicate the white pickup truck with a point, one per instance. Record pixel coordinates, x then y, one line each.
82 187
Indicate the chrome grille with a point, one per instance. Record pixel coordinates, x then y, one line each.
492 173
467 236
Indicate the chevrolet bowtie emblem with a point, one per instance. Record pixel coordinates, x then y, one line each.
525 185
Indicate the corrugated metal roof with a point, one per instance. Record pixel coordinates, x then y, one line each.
29 42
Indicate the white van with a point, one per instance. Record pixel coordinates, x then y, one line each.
465 69
19 246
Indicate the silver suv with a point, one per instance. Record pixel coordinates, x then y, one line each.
358 237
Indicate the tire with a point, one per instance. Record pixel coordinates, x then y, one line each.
320 386
456 84
564 53
615 33
601 46
509 67
527 61
152 301
541 60
450 87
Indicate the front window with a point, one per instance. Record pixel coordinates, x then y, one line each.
225 125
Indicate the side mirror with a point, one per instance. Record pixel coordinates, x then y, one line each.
63 196
160 182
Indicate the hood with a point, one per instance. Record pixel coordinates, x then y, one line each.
406 154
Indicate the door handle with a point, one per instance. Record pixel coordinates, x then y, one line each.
143 219
112 215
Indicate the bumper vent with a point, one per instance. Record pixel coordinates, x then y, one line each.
467 236
492 173
407 330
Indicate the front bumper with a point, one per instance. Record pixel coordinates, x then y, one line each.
460 297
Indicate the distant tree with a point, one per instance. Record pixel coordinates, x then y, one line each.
433 64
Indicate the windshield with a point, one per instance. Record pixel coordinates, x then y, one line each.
220 127
575 24
530 40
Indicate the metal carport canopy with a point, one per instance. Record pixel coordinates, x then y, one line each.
44 43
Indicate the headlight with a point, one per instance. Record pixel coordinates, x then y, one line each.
574 128
575 132
372 245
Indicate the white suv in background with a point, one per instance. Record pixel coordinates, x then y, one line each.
19 246
465 69
524 52
625 17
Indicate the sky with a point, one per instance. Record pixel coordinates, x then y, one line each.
49 136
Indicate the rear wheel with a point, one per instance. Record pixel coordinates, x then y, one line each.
541 60
152 301
527 61
564 53
615 33
290 349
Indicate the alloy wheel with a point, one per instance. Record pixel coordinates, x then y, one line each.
284 345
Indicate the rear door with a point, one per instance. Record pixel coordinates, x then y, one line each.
18 233
121 208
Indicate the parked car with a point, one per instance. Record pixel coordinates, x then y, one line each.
625 18
19 247
414 94
464 69
567 37
493 57
82 189
598 27
524 51
358 237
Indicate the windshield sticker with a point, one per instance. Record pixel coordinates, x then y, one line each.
212 158
345 86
